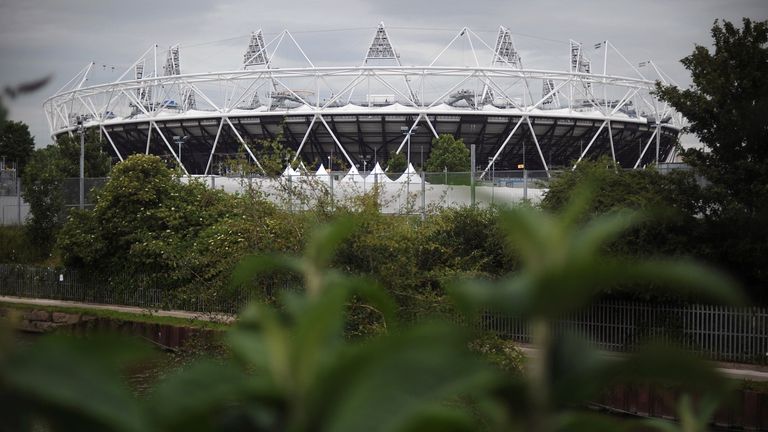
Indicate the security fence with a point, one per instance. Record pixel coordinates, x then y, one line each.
127 289
411 192
13 209
716 332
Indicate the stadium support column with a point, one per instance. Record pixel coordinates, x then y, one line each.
81 131
473 170
658 141
18 198
423 193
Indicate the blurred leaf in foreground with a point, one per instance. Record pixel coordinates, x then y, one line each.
563 269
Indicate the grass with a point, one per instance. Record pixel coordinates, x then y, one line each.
145 317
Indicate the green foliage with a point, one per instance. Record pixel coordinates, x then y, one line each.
563 268
448 153
292 368
465 240
397 163
500 352
726 108
671 198
241 164
272 155
63 385
16 247
43 181
144 217
16 143
181 234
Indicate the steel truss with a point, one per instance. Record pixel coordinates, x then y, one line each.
580 114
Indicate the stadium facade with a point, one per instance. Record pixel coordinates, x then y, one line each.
515 116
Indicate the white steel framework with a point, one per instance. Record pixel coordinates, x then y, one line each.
579 113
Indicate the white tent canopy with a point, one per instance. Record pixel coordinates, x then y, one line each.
378 175
409 176
290 172
353 176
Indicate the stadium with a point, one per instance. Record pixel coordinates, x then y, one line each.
515 116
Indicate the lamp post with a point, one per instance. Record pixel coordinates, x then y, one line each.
179 140
81 131
408 132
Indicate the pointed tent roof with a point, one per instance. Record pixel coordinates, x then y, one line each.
321 171
409 176
290 172
378 174
353 176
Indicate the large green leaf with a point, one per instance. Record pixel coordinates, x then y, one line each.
190 399
73 384
384 385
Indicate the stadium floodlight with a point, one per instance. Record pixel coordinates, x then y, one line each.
256 54
381 47
505 52
547 91
172 62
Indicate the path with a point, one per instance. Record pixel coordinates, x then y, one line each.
732 370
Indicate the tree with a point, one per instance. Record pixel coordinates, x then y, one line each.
726 107
272 154
44 182
672 198
144 218
397 163
448 153
16 143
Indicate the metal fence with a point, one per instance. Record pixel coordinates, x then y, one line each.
13 209
118 289
716 332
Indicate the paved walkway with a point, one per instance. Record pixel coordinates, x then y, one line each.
200 316
738 371
732 370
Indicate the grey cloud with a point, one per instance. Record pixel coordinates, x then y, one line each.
38 37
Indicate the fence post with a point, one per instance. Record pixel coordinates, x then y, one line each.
472 174
18 198
525 184
423 195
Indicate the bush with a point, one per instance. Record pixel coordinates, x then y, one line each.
43 180
16 246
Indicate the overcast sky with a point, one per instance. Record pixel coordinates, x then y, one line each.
59 37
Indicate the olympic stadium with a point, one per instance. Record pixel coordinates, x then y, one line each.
516 116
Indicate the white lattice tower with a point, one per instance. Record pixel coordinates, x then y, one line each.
381 47
548 86
505 53
172 62
188 101
256 54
